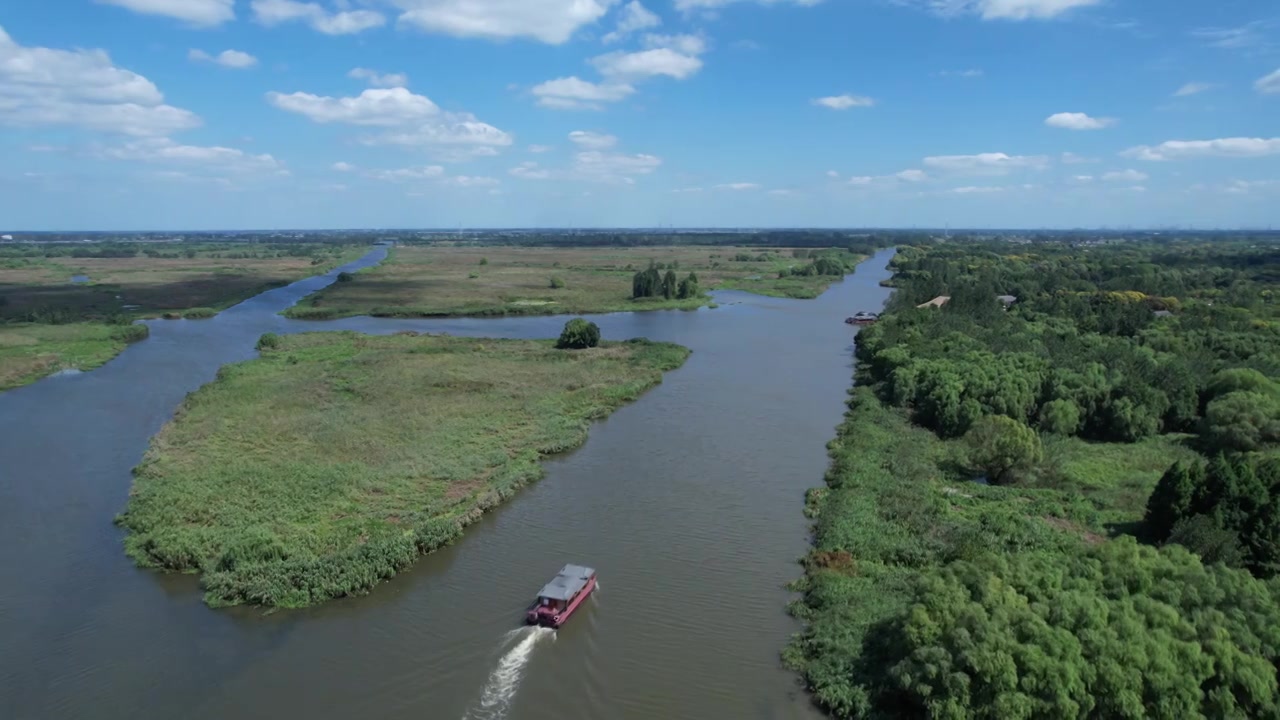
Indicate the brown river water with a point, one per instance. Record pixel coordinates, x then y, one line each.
688 502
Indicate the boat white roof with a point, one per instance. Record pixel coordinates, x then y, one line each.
571 579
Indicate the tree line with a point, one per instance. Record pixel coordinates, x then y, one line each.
652 283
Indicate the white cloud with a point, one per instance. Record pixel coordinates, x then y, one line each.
83 88
539 148
633 17
1245 187
690 5
986 163
1078 121
346 22
612 167
861 180
344 167
227 58
972 73
1269 85
976 190
380 80
844 102
833 174
549 21
1245 37
426 172
1082 178
1192 88
1069 158
469 181
530 171
739 186
1130 176
1016 10
197 12
912 175
385 107
412 120
647 63
164 150
1222 147
572 93
591 140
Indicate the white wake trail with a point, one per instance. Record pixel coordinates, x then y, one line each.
503 682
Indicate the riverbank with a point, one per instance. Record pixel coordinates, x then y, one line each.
49 324
929 594
336 459
437 281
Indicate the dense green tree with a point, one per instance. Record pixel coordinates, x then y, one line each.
579 334
1242 421
670 286
1123 631
1060 417
1002 448
689 287
1240 380
1178 495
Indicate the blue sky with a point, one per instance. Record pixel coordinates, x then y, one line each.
248 114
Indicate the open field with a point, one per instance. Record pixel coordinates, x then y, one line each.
438 281
334 460
49 323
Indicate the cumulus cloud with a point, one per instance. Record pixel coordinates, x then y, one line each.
344 167
549 21
633 17
409 119
1192 88
844 102
986 163
647 63
164 150
690 5
1078 121
203 13
380 80
346 22
1222 147
592 140
1015 10
912 175
573 93
1130 176
82 88
612 167
1269 85
227 58
530 171
426 172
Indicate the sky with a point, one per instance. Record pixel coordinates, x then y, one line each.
282 114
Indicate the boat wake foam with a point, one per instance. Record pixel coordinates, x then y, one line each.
503 682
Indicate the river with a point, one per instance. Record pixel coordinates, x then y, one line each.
688 502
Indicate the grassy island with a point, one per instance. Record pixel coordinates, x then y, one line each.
1122 556
334 460
440 281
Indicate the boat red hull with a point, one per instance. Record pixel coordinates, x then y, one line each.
555 621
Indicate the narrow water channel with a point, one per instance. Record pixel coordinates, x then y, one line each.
688 502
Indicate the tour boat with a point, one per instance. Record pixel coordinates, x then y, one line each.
862 318
559 598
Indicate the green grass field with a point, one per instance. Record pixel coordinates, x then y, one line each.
76 325
450 281
334 460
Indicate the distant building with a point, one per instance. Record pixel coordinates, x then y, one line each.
1007 300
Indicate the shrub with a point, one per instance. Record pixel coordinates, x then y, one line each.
579 334
131 333
199 313
345 277
268 341
473 275
484 261
557 283
1003 448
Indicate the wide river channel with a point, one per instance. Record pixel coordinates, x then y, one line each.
688 502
